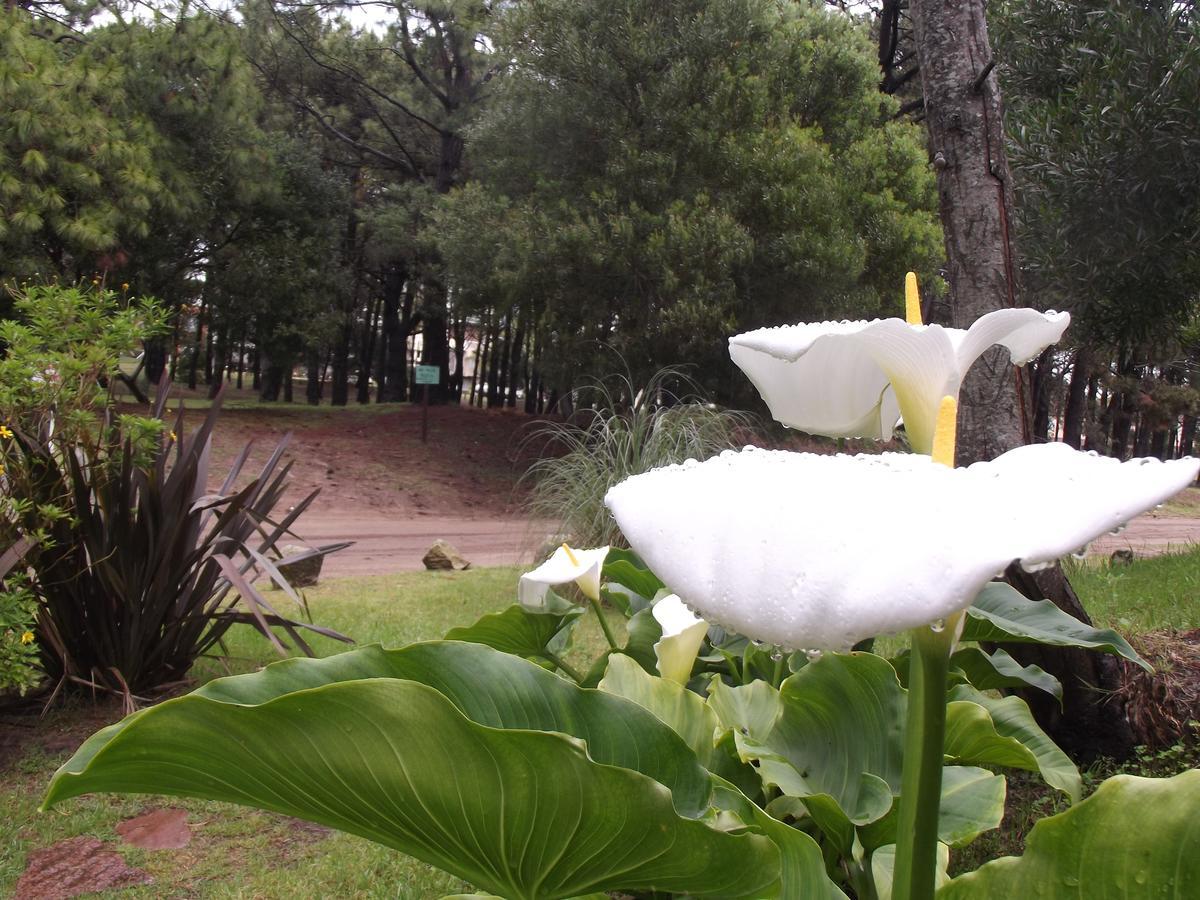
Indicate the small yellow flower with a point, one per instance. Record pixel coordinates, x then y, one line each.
5 432
124 285
27 637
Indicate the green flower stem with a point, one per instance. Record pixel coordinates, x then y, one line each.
562 664
608 635
921 781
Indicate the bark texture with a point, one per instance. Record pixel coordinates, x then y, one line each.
964 116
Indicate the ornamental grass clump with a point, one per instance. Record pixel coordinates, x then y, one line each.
627 431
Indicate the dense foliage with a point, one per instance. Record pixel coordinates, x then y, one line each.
136 566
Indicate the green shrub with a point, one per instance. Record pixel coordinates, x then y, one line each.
137 568
627 431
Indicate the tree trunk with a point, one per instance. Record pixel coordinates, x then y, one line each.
435 343
241 367
460 358
964 116
196 346
366 357
1043 387
314 388
339 387
271 380
515 372
156 359
1091 721
1077 398
393 383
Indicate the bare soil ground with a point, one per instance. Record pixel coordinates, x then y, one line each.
383 488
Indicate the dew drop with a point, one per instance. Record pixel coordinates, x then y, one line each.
777 655
937 626
813 655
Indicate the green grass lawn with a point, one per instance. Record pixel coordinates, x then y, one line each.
237 852
245 853
1152 594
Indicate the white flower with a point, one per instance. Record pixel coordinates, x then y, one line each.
833 378
564 565
818 552
682 635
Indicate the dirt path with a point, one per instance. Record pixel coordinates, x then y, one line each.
1150 535
386 544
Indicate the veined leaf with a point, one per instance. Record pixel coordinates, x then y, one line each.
626 568
500 691
992 671
883 869
831 737
523 814
972 802
1001 613
1012 718
520 631
1134 837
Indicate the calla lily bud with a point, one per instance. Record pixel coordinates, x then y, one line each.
682 634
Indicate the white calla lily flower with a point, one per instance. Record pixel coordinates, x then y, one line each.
855 379
819 552
682 634
564 566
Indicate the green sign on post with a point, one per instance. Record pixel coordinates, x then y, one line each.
427 375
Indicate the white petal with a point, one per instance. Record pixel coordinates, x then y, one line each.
682 635
1083 496
830 377
819 552
1023 332
810 382
560 569
673 616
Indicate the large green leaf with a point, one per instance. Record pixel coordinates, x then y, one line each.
802 866
972 802
522 631
1012 718
883 869
996 670
832 737
1001 613
1133 838
626 568
500 691
685 711
523 814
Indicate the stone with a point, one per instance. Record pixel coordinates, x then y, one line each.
302 574
1121 557
443 556
159 829
81 865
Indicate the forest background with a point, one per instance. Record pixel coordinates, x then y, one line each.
563 189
